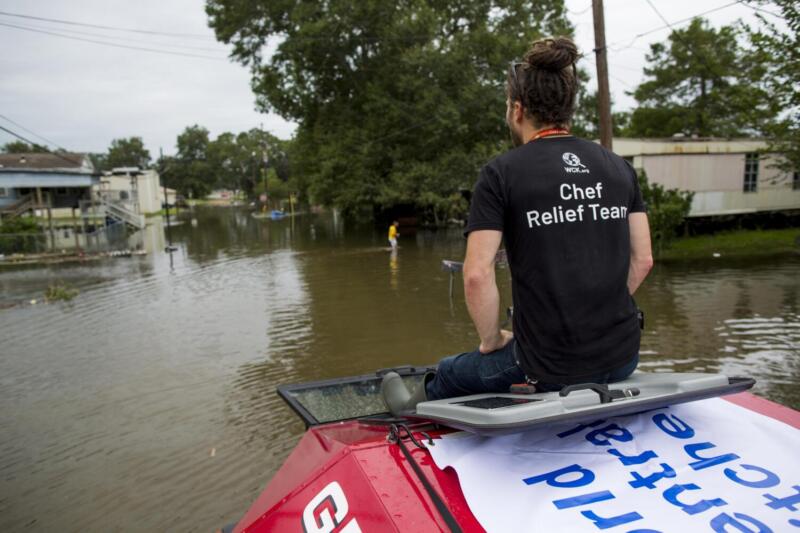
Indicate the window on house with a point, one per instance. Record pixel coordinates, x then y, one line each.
796 181
4 191
751 173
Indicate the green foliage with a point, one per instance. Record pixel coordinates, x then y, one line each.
586 122
128 152
779 53
60 291
19 225
230 161
666 211
20 147
99 161
20 235
397 102
190 171
273 185
702 82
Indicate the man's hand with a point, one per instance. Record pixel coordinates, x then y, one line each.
502 338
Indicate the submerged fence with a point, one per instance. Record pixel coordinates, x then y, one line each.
108 238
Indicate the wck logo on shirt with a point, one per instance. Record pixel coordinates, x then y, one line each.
574 162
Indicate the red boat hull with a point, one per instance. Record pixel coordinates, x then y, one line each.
347 477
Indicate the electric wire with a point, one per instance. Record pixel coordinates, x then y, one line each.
678 36
131 39
613 46
20 126
57 154
761 10
580 12
363 38
103 27
115 45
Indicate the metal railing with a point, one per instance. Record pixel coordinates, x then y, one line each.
105 208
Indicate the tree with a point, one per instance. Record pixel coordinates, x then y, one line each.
397 102
99 161
666 211
779 52
190 172
128 152
586 121
701 82
20 147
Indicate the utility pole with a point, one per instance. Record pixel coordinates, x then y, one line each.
163 171
603 95
264 159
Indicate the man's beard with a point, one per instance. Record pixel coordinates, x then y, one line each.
516 138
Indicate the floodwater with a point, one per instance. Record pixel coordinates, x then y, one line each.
148 402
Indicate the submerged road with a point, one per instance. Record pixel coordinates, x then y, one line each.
147 403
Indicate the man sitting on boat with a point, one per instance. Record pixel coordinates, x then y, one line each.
578 244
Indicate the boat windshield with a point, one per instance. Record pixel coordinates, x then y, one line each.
322 402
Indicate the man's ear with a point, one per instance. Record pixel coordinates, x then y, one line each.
518 113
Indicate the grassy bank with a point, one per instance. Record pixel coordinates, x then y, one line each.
163 212
735 243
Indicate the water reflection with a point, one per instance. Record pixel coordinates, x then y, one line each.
394 269
739 317
163 377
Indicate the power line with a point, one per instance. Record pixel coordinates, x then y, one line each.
662 16
581 12
761 9
132 40
613 46
17 124
623 82
679 37
363 38
102 27
20 137
115 45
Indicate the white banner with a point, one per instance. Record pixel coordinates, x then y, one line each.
703 466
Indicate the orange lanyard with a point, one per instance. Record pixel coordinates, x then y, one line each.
548 133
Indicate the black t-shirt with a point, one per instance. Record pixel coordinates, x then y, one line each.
562 204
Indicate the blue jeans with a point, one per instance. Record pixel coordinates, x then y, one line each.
476 373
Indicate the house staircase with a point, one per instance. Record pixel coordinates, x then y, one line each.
20 207
106 208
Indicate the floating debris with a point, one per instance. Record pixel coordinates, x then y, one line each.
59 292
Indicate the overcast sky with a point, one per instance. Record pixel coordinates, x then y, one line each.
81 95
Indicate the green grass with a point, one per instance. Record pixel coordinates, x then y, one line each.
163 212
735 243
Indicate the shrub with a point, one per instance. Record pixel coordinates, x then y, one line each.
20 235
666 211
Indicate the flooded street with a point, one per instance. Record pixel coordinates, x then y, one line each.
148 402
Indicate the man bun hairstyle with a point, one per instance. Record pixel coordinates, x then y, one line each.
547 81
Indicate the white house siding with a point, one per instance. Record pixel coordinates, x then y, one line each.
714 171
149 192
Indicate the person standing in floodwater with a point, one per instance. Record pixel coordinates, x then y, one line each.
393 235
578 244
